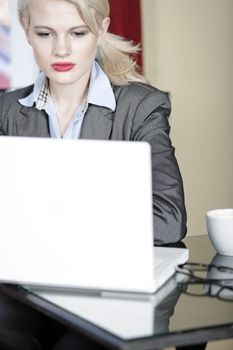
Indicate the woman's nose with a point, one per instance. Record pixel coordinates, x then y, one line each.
61 47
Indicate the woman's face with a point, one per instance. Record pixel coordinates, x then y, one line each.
63 46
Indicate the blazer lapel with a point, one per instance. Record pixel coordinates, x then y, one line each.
32 122
97 123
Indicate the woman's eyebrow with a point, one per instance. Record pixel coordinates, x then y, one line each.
83 26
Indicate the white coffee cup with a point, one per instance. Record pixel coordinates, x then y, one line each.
220 230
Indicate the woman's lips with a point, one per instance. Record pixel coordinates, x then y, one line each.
63 66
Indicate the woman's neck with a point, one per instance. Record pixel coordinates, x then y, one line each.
64 95
66 99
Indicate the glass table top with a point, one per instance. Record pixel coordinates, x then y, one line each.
167 311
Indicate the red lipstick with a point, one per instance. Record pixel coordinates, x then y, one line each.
63 66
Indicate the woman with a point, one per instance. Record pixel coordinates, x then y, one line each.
89 87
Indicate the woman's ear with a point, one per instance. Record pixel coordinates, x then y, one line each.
103 29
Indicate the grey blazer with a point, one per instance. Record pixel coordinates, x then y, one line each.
141 115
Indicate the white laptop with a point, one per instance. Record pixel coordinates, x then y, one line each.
77 214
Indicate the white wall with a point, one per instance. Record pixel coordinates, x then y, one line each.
188 47
23 70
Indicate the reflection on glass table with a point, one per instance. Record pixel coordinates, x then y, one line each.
123 314
213 280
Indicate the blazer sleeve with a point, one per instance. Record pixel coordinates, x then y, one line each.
151 124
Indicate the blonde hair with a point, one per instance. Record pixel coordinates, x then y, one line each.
115 54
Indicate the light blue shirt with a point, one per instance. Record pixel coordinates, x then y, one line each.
100 93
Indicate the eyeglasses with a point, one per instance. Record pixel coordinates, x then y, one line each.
206 280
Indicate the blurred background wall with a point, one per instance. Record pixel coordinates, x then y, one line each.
4 45
188 51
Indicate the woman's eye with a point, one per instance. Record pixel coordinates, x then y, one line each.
43 34
77 34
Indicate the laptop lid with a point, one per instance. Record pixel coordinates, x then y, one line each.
76 214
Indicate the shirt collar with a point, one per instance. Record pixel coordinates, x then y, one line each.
29 100
100 92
